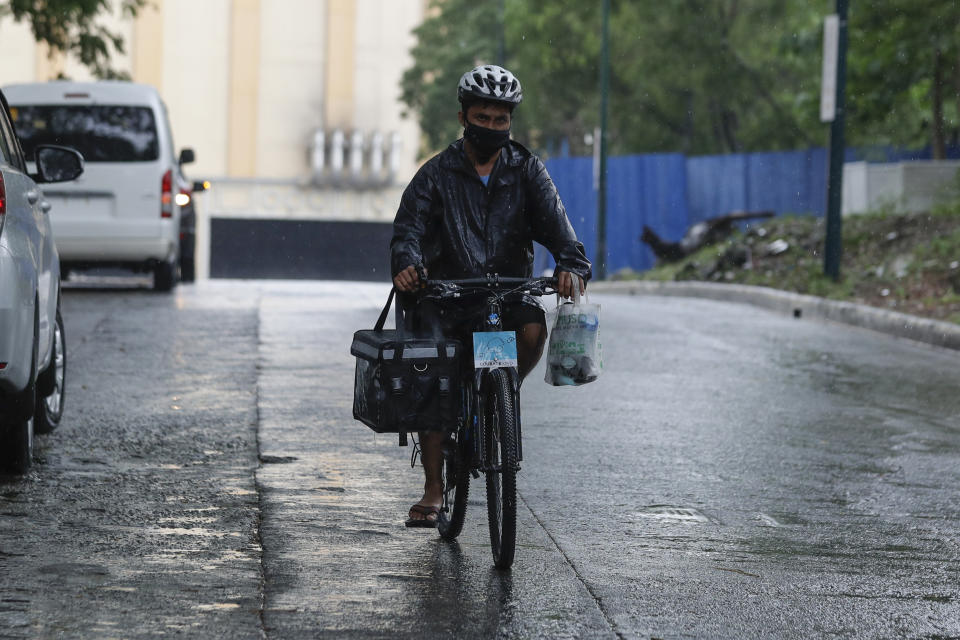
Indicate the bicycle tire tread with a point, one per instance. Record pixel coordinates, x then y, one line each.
451 527
503 529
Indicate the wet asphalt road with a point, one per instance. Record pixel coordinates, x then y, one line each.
733 474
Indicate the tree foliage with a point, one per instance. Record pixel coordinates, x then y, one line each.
458 36
904 78
699 76
70 26
716 75
695 75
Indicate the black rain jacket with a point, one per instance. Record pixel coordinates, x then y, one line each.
457 227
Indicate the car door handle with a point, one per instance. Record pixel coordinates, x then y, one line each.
45 206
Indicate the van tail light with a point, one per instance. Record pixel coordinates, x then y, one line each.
166 195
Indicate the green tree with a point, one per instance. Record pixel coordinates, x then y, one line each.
700 76
904 78
695 75
456 35
712 76
70 26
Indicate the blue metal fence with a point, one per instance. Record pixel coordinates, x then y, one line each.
784 182
641 190
668 192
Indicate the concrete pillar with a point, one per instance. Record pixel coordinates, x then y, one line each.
147 45
49 64
244 88
340 64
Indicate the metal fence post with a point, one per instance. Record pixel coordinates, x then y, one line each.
833 249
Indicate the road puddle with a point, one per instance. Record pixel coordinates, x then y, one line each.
170 531
240 492
218 606
186 522
198 531
767 521
673 513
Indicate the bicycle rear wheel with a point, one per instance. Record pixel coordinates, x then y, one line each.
456 490
499 417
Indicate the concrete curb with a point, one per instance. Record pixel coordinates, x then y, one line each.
902 325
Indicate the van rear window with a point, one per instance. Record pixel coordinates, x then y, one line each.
102 133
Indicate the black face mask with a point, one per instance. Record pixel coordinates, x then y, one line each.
485 142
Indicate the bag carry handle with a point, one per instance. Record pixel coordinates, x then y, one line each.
382 320
398 318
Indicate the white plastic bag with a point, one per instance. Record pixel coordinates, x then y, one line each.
574 352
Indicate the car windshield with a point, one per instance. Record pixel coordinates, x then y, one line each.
102 133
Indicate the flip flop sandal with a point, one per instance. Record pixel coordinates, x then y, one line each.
426 512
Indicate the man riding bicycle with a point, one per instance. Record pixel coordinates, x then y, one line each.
475 209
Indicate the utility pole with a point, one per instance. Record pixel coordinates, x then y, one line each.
833 110
502 45
601 257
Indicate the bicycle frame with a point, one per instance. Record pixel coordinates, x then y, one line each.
492 402
495 288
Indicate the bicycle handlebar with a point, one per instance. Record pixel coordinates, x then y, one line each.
492 282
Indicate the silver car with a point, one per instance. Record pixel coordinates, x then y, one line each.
32 351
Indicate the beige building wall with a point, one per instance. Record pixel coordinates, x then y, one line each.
148 30
195 79
291 95
384 37
340 62
18 51
246 82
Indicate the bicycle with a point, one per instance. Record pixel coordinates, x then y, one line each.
488 440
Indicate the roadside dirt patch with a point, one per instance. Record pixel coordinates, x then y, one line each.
905 262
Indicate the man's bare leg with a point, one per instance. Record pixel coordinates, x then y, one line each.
431 453
530 340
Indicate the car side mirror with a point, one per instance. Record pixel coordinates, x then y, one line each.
57 164
187 156
201 185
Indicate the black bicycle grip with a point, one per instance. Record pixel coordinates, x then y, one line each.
421 274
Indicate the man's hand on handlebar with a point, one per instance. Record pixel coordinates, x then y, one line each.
565 281
408 280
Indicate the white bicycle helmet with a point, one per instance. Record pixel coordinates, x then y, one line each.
490 82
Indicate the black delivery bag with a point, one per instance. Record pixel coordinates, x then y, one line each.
404 383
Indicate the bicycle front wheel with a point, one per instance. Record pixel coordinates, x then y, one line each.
500 444
456 490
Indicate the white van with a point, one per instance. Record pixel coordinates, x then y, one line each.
123 210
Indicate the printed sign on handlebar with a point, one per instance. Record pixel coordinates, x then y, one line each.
492 349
